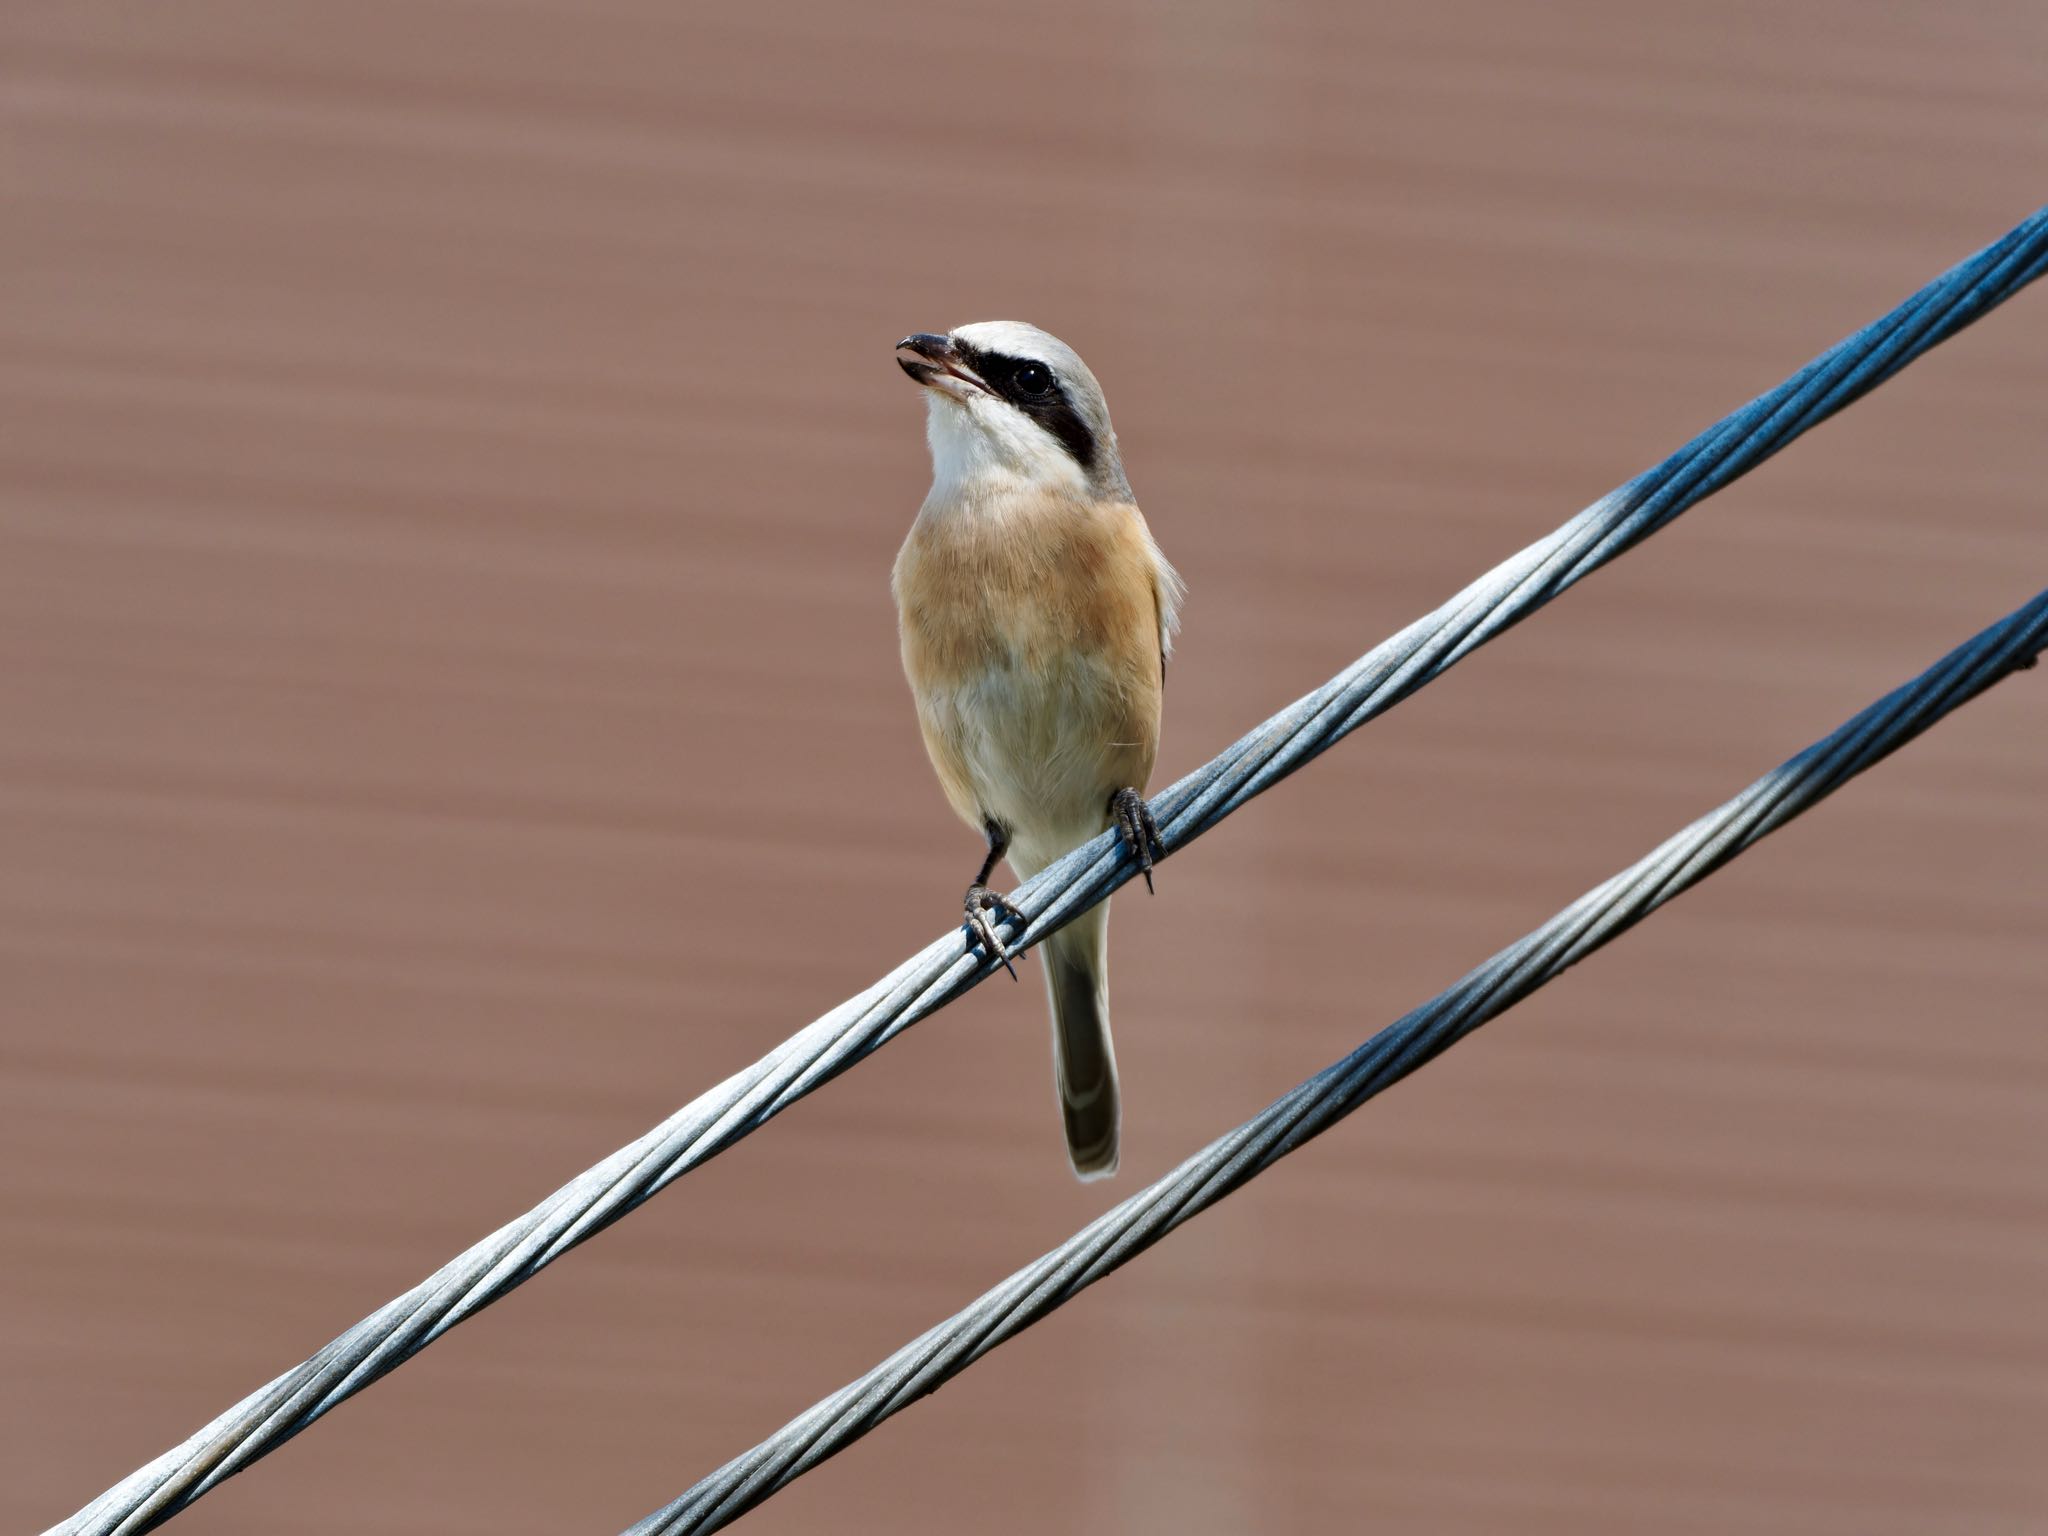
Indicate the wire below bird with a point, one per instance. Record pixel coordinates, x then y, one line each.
1233 1160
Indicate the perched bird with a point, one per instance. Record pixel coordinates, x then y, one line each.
1036 617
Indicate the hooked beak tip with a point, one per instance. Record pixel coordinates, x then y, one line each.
923 344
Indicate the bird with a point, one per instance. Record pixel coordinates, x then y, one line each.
1036 615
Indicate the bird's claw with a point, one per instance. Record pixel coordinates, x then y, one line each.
981 901
1139 831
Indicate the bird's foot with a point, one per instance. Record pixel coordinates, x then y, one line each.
1139 831
981 901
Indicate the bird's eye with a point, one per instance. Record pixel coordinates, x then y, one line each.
1033 380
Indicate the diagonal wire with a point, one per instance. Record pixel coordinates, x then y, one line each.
948 967
1232 1160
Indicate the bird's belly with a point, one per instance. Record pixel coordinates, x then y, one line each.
1041 749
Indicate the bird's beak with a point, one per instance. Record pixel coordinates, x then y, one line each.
936 363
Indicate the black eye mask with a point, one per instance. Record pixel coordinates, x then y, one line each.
1036 390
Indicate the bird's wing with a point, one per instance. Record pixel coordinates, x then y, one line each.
1167 591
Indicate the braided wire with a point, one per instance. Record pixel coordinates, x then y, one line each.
950 966
1305 1112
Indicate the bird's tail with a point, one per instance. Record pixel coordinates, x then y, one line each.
1083 1059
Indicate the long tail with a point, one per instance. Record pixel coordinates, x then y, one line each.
1083 1057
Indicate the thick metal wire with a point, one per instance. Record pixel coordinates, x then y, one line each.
1231 1161
948 967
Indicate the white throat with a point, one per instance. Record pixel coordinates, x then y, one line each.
980 445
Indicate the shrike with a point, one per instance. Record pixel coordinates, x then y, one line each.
1036 617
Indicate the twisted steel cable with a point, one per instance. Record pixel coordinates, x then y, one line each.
1233 1160
946 968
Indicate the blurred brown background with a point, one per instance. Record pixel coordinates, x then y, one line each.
452 466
